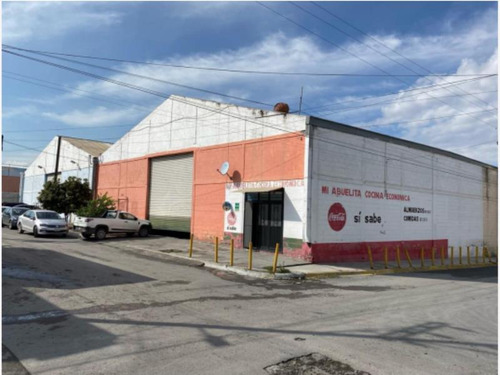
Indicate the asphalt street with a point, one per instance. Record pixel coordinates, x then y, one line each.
86 307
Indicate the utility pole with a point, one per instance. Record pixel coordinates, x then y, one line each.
57 157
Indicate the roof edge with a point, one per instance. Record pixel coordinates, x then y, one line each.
337 126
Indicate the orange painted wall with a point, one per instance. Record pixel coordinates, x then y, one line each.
266 159
127 183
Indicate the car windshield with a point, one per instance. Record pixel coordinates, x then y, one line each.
47 215
18 211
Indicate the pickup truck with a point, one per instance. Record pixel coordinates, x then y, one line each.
112 221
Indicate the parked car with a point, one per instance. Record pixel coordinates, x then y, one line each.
11 215
111 222
42 222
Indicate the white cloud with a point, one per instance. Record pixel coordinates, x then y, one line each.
472 135
25 110
23 21
95 117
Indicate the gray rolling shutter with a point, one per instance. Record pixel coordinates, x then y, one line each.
171 190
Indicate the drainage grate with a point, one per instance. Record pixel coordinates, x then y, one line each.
312 364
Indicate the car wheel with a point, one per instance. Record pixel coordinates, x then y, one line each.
35 231
11 226
85 236
100 234
20 228
144 231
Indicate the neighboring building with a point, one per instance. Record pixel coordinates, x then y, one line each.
11 181
323 190
76 158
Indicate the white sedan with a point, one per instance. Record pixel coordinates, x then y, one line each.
42 222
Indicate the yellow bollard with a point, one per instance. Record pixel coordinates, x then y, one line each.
408 258
488 254
385 258
477 254
250 250
370 257
451 257
422 255
432 256
398 258
216 249
275 260
231 253
442 255
460 255
191 246
468 255
484 255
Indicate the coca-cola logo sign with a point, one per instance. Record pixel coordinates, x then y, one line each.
337 217
231 218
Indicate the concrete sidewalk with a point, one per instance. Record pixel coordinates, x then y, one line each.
288 268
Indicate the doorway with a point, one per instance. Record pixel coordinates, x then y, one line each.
264 219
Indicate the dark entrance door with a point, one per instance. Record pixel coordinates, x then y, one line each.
264 219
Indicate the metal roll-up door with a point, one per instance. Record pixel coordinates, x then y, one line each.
170 194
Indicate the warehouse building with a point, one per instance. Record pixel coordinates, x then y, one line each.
323 190
64 157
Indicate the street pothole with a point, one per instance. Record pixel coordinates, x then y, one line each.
312 364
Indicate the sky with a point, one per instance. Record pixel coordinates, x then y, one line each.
414 70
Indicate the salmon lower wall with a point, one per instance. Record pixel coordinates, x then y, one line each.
266 159
127 183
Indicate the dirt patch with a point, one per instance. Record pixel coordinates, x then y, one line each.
312 364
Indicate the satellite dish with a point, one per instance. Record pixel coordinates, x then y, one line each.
227 206
224 168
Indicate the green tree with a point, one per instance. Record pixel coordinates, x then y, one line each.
97 207
65 197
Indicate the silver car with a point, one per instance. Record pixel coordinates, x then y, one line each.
10 215
42 222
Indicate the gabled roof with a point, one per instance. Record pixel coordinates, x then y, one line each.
94 148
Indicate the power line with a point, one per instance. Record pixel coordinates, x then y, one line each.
437 86
384 45
227 70
230 115
146 77
43 151
429 119
348 52
157 110
361 42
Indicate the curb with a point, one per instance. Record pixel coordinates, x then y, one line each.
320 275
311 275
223 267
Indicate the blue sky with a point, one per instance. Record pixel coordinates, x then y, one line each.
456 38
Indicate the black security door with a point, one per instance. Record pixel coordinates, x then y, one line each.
266 219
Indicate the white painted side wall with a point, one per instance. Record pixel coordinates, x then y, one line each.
450 192
34 177
180 123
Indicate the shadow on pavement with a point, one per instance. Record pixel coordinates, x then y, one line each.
50 269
